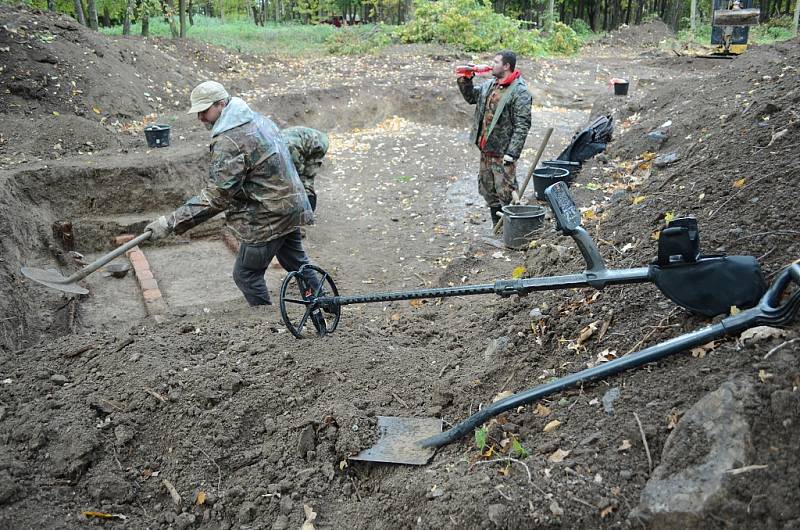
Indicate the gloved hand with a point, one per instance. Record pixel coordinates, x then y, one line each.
159 228
507 160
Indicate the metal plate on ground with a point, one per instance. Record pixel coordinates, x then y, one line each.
398 441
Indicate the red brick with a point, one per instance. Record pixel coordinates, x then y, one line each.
144 274
148 285
132 250
151 294
121 240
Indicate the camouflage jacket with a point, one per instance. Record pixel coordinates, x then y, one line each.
251 179
512 118
307 147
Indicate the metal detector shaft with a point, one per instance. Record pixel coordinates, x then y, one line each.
523 286
767 312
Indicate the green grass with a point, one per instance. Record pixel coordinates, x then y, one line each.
244 36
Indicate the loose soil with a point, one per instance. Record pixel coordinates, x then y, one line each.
251 425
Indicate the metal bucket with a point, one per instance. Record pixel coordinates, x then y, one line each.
520 223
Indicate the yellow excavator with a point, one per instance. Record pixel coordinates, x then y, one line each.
730 25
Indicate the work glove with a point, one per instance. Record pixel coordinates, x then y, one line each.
508 160
158 229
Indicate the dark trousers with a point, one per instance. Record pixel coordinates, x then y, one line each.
254 258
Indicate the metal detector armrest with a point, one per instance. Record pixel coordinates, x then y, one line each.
568 221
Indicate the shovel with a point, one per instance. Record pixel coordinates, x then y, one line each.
55 280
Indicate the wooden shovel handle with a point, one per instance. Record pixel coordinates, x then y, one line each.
547 133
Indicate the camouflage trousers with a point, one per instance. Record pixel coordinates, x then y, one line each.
496 181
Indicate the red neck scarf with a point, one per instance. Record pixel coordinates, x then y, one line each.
510 78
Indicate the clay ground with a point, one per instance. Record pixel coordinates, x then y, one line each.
104 397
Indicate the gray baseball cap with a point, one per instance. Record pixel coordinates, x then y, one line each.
206 94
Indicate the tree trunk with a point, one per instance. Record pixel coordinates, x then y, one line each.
106 17
693 17
79 16
639 9
182 17
145 24
628 13
92 12
548 25
126 18
51 5
796 16
676 16
221 11
170 16
189 9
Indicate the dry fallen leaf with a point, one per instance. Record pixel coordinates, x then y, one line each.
558 456
701 351
738 183
201 498
311 516
637 200
763 375
553 425
760 333
605 512
502 395
518 272
541 410
624 446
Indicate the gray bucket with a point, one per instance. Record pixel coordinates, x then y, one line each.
520 223
544 177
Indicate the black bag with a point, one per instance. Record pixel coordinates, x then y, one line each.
712 284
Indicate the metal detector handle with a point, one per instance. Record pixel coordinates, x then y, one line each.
589 251
769 312
102 260
568 221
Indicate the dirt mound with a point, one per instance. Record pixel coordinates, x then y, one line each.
644 36
63 78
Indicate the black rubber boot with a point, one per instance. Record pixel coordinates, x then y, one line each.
494 211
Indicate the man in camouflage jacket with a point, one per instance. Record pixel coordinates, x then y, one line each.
308 147
252 179
502 121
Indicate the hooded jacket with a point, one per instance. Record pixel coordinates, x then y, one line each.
252 179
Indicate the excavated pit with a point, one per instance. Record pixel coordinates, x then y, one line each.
392 135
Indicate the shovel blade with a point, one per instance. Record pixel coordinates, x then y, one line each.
398 441
53 279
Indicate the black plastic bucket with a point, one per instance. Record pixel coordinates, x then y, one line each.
157 135
621 88
546 176
520 223
572 167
